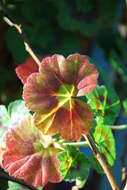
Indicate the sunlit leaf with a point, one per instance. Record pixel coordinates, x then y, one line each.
104 104
105 141
4 122
73 165
10 118
30 156
53 93
17 111
15 186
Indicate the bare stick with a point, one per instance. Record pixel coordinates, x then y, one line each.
102 162
10 21
124 171
4 176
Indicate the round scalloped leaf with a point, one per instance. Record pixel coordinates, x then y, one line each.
29 156
104 104
105 141
53 93
73 165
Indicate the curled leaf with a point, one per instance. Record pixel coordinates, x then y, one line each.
26 69
53 93
27 157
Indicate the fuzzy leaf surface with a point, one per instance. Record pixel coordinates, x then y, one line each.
30 156
53 93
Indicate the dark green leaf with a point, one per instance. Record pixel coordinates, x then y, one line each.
16 46
96 164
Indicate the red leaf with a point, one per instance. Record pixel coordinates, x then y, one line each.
53 92
24 70
30 156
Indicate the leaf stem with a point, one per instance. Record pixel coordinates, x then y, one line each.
123 163
77 144
4 176
10 21
118 127
102 162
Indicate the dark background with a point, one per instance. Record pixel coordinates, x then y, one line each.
97 28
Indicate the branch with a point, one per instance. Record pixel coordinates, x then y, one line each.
10 21
4 176
124 171
103 164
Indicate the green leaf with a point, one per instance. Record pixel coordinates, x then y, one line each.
8 118
125 105
105 141
96 165
17 110
15 186
104 104
74 165
40 188
4 122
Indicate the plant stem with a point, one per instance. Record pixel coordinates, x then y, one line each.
102 162
118 127
77 144
4 176
123 163
10 21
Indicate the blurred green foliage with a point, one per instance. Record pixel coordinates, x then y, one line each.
65 27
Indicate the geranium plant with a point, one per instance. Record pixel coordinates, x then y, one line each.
62 109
